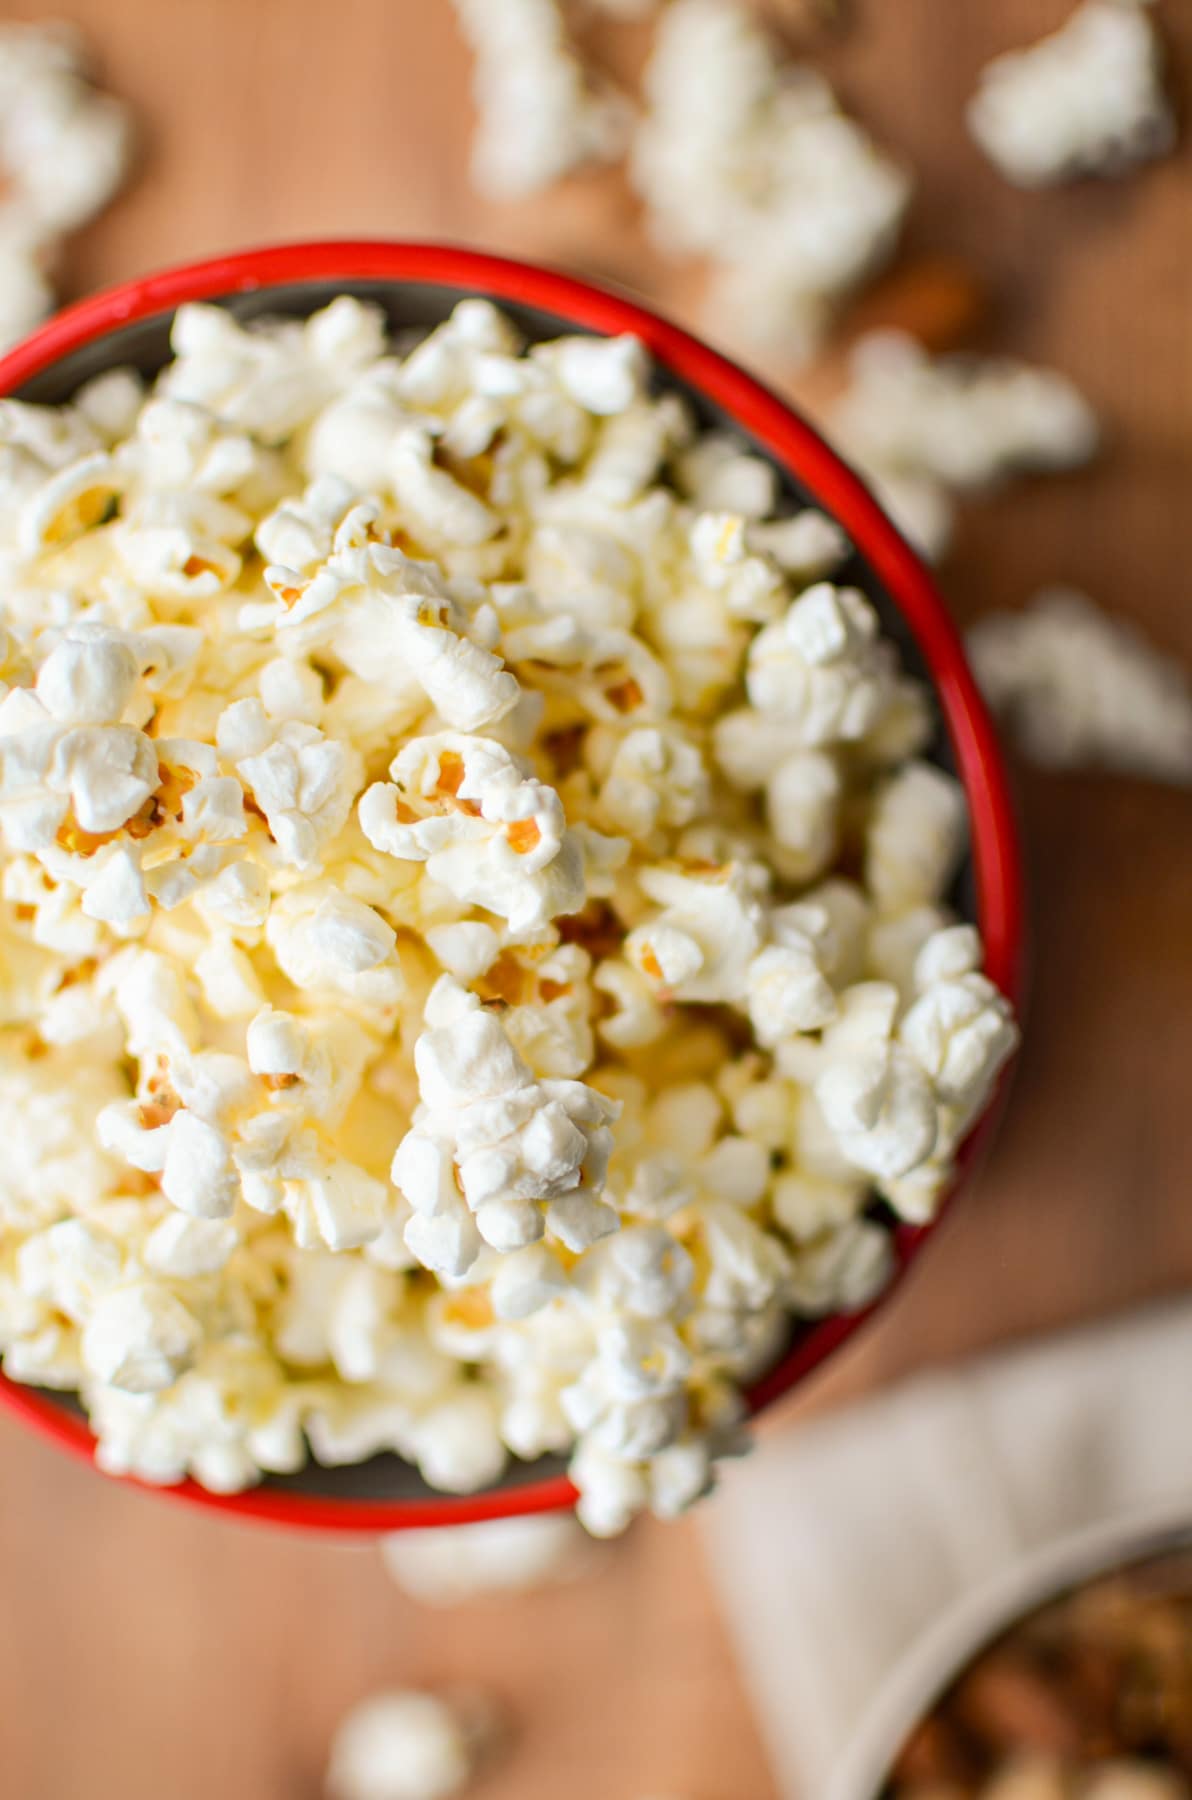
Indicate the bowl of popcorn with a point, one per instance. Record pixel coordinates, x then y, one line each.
511 908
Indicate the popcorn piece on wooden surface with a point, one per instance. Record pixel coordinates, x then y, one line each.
1079 688
540 114
1088 100
407 1745
920 428
499 1556
752 163
65 148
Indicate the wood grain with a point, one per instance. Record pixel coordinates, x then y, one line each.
152 1654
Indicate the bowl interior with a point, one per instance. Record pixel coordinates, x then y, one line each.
413 306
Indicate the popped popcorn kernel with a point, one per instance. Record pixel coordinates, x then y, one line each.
410 1746
1088 100
749 160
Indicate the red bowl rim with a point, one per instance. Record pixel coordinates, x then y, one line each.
793 444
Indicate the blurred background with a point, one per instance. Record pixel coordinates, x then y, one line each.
148 1652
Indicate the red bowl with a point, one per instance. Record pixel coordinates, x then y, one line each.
419 283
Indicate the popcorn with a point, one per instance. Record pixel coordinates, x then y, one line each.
788 990
718 473
915 836
710 919
438 506
844 1272
804 795
752 163
654 782
1079 688
967 423
875 1097
489 833
539 116
88 779
25 292
301 781
821 666
389 618
1087 100
491 1142
270 377
325 940
959 1030
64 151
409 1746
431 1022
140 1338
919 428
228 1418
515 1555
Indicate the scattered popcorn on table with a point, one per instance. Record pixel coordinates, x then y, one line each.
64 151
751 163
920 427
540 113
435 1021
1080 689
1088 100
405 1745
498 1556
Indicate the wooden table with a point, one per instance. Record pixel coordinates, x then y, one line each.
152 1654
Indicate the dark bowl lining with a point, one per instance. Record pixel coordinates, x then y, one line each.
410 307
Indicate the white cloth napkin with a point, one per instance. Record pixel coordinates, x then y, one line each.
840 1544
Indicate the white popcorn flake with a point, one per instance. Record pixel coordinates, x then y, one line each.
197 1173
488 832
965 421
499 1556
751 161
491 1142
405 1745
656 781
271 376
719 475
915 836
139 1338
184 1247
603 375
391 619
1088 99
821 666
25 292
456 1442
920 428
960 1029
64 151
539 116
302 781
788 991
711 919
70 1266
1079 688
419 1031
844 1272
